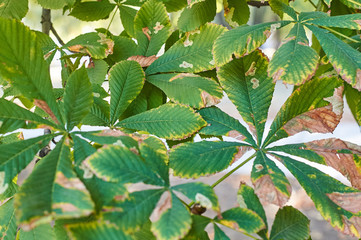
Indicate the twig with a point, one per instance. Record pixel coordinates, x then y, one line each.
56 34
258 4
46 21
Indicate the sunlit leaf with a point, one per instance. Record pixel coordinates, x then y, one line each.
202 158
192 53
170 121
127 16
13 8
249 88
294 62
55 4
236 12
8 227
92 11
350 21
197 231
352 3
44 231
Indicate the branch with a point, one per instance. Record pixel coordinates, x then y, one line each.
258 4
56 35
46 21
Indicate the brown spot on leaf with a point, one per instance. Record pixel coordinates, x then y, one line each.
108 42
182 75
352 226
348 201
65 207
267 33
111 133
268 193
146 32
235 134
143 61
255 83
209 100
252 70
241 151
302 43
164 203
78 48
358 21
277 76
44 106
330 149
358 79
69 183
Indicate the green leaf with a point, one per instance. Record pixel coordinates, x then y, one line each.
295 61
197 231
92 11
174 5
249 88
126 80
192 53
55 4
197 159
24 65
281 6
325 192
107 137
155 154
99 113
9 192
219 234
221 124
350 21
243 40
174 222
124 47
97 45
188 89
78 98
199 193
44 231
48 46
270 183
319 112
11 138
82 149
197 14
51 190
352 3
353 98
8 227
299 150
345 60
13 8
127 16
152 27
290 224
16 156
96 71
135 210
236 12
246 198
119 164
170 121
12 111
144 232
242 219
96 230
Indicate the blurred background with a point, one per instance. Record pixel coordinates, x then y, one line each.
69 27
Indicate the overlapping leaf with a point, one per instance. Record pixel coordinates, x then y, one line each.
92 11
78 98
197 14
331 199
197 231
126 80
270 183
219 234
174 222
290 224
174 5
249 88
127 16
52 190
55 4
236 12
200 193
97 45
294 62
188 89
13 8
202 158
16 156
243 40
152 27
320 112
345 60
24 65
352 3
192 53
170 121
350 21
119 164
44 231
353 98
8 226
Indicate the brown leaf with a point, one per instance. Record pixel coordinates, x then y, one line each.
70 183
320 120
268 193
341 161
209 100
236 135
241 151
146 32
44 106
143 61
352 226
164 203
348 201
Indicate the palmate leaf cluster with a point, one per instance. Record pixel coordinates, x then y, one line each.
151 105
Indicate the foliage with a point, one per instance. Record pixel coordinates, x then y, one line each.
150 104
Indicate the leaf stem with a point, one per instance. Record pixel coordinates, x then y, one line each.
233 170
110 23
313 4
340 34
